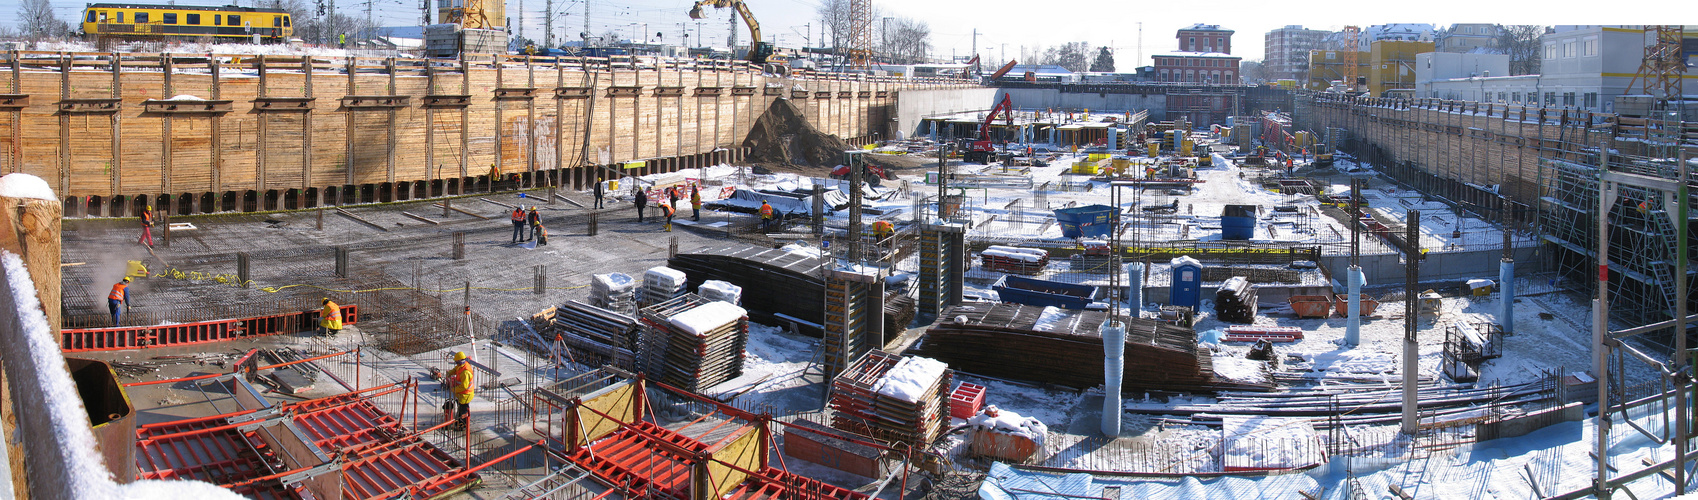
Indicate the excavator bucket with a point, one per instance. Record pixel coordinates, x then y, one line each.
696 12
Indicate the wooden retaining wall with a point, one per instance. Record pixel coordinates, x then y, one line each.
1459 150
290 132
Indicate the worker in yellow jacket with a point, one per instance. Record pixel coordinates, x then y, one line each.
331 318
459 382
766 216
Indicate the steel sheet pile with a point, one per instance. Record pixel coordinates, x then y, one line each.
1021 342
693 343
896 399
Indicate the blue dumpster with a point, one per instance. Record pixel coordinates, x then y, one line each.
1086 221
1238 222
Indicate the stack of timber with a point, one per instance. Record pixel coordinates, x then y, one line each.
1003 341
896 399
661 284
1235 301
693 343
615 292
594 336
785 286
1015 260
899 311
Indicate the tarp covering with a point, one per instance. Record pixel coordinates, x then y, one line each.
748 201
1006 483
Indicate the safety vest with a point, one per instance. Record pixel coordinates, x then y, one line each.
696 199
332 316
117 292
460 382
534 217
883 227
766 211
518 215
667 207
147 217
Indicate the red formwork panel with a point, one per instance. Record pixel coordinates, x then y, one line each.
633 459
778 484
142 337
193 450
414 466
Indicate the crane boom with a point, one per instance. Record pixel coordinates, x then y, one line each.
758 50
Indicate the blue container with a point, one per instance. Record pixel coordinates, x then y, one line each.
1086 221
1187 287
1044 293
1238 222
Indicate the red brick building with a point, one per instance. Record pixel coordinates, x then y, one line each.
1204 56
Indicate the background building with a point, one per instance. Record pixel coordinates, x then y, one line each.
1467 38
1580 68
1391 65
1327 66
1286 52
1204 56
1399 32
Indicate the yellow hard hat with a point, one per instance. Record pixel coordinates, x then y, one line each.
126 279
459 355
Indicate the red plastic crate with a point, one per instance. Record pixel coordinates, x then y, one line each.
965 400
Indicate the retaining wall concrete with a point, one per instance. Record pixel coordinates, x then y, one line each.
912 105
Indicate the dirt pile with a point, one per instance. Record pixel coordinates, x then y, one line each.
783 137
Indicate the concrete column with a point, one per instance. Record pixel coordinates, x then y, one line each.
1506 283
1114 364
1353 328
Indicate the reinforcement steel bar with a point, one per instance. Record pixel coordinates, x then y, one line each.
142 337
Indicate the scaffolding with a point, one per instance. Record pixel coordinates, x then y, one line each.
1642 234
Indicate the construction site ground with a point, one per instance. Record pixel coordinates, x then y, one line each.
401 272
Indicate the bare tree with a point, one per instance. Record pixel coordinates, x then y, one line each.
1521 42
36 20
1068 55
1253 72
907 40
834 15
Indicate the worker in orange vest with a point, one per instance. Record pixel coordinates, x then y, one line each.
696 202
147 227
766 215
668 211
120 296
541 234
518 217
459 382
883 229
330 319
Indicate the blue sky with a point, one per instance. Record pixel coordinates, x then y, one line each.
1005 26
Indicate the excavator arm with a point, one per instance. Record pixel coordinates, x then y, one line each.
758 50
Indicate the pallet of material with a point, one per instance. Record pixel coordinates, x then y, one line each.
896 399
593 335
1235 301
1015 260
693 343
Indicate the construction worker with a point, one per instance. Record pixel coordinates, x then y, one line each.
535 219
766 215
330 318
542 234
459 382
120 296
147 226
518 217
668 210
696 202
642 203
883 229
342 40
598 195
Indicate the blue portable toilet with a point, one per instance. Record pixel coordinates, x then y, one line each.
1187 287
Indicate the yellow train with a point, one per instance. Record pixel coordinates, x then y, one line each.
115 21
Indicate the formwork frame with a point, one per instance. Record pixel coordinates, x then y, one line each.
1613 186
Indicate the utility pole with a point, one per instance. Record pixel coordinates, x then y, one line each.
547 23
1411 319
587 33
731 39
521 18
975 46
1141 45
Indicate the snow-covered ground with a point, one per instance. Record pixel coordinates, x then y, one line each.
1551 337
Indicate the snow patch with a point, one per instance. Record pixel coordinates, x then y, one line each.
910 378
1007 422
1049 318
1236 369
25 186
708 317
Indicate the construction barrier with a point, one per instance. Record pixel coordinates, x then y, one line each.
142 337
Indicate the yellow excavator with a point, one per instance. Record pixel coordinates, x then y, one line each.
759 51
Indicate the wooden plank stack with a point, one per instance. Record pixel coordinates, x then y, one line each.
1015 260
615 292
777 282
661 284
693 343
595 336
868 398
1235 301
